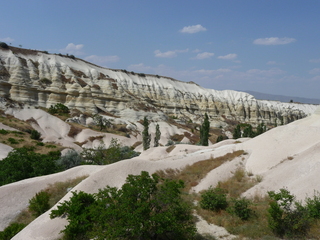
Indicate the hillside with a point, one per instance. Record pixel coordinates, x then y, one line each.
40 79
285 156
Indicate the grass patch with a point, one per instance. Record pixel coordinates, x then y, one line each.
57 191
193 174
170 148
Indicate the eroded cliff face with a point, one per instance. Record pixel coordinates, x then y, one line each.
40 79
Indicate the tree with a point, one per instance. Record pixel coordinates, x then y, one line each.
237 132
157 137
146 137
204 131
22 163
146 207
101 122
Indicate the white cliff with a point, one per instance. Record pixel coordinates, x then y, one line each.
41 79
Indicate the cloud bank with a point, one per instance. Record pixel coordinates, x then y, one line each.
193 29
273 41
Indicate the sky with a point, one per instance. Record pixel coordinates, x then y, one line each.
269 46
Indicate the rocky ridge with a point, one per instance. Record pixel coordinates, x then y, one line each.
40 79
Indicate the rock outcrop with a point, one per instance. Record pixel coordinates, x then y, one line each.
40 79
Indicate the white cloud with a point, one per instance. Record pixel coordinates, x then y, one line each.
7 40
193 29
273 41
270 72
71 48
102 60
169 54
231 56
314 71
204 55
314 60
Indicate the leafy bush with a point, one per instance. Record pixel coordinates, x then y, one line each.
71 159
4 132
114 153
101 122
146 207
214 199
35 135
286 216
313 205
12 141
10 231
39 203
4 45
59 108
22 163
241 208
78 215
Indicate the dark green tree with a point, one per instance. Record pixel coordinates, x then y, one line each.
157 136
146 207
261 128
237 132
219 138
248 131
22 163
204 131
146 137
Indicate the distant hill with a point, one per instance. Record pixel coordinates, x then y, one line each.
266 96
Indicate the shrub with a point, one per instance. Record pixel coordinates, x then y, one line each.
71 159
313 205
214 199
241 208
35 135
59 108
146 207
4 45
219 138
114 153
10 231
286 216
12 141
39 203
4 132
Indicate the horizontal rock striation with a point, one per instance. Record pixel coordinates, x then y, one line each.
40 79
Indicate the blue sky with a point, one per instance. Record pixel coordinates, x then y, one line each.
270 46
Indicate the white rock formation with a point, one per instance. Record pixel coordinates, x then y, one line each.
41 79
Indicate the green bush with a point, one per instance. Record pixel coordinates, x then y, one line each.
35 135
22 163
39 203
114 153
71 159
10 231
214 199
313 205
12 141
4 45
286 216
59 108
146 207
240 207
4 132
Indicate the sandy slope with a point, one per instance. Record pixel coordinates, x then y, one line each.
287 156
